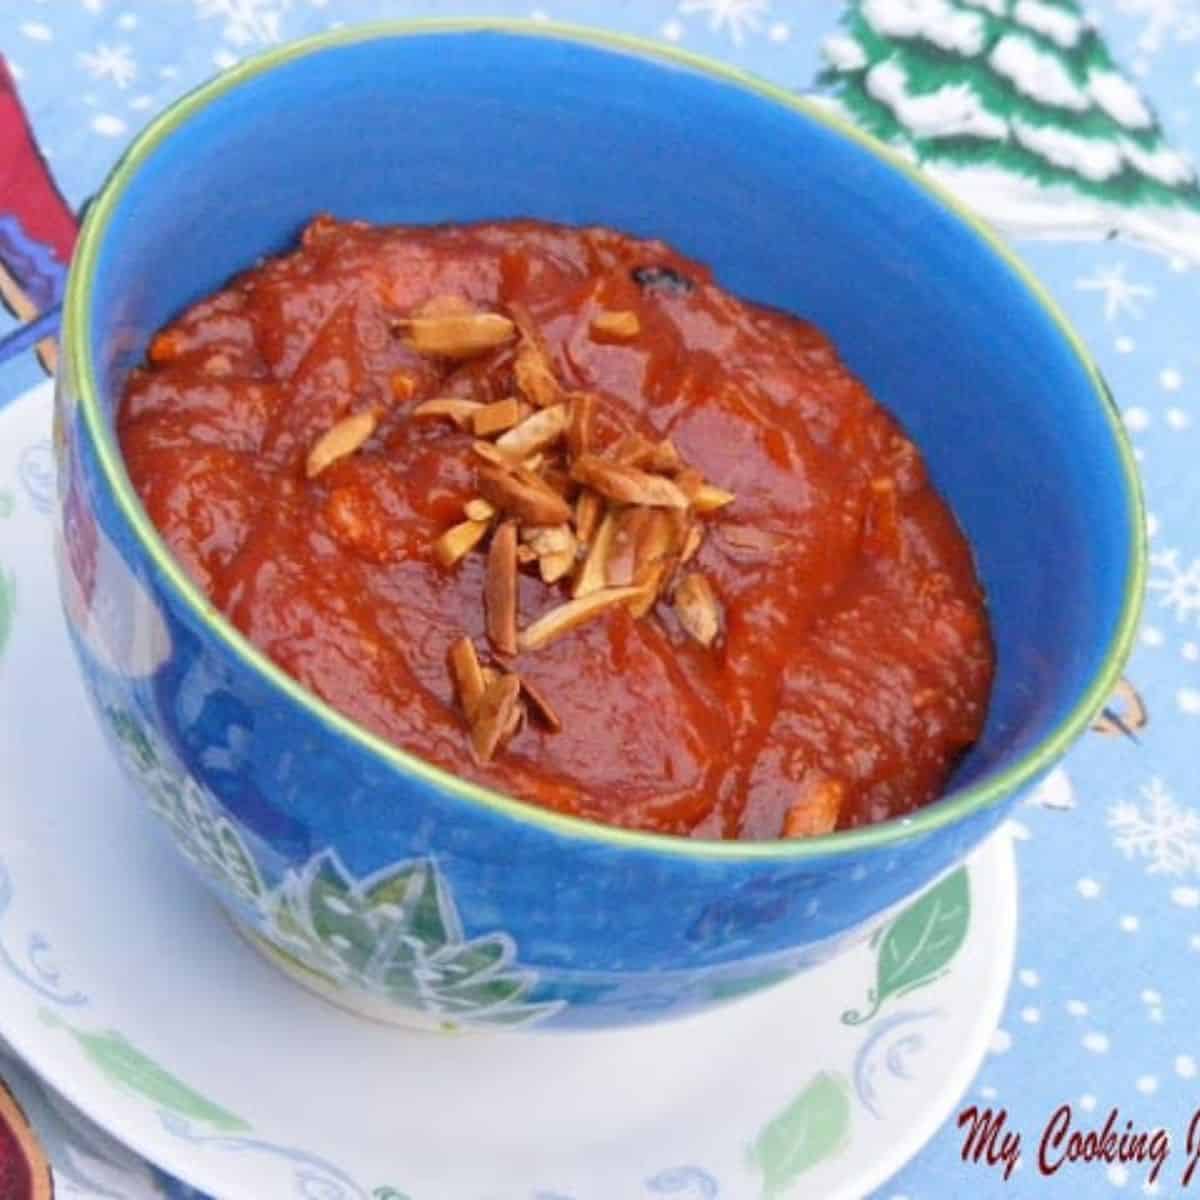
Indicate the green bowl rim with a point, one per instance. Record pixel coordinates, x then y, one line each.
945 811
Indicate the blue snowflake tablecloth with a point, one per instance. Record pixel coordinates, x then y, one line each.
1072 129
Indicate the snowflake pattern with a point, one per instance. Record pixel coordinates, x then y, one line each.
1159 830
1120 295
1164 20
110 62
1178 587
246 21
736 17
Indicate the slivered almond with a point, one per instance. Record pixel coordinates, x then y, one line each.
520 492
591 575
627 484
340 440
633 450
588 509
709 498
579 423
490 675
457 336
468 676
479 509
488 452
649 582
500 589
691 543
696 607
461 412
459 540
534 377
689 481
620 325
556 566
665 457
657 543
534 433
494 716
532 368
497 416
565 617
526 555
817 808
541 706
548 539
621 563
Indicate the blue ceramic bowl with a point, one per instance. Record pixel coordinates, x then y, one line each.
397 888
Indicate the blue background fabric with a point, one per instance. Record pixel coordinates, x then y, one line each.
1104 1009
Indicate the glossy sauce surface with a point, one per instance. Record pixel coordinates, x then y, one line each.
855 649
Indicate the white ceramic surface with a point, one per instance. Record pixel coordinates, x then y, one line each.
125 988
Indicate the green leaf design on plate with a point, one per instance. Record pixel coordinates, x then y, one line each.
388 1193
919 944
125 1065
814 1127
8 606
8 502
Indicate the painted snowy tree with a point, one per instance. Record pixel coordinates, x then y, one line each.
1018 107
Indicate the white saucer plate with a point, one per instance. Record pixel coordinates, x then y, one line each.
123 986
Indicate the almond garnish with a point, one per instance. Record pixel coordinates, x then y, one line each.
457 336
565 617
535 432
665 457
708 498
479 509
588 509
468 676
691 543
816 810
541 706
498 416
656 545
548 539
532 371
696 607
500 589
619 325
519 491
621 563
340 440
591 575
488 452
526 555
633 450
689 481
627 484
496 716
461 412
579 423
555 547
458 541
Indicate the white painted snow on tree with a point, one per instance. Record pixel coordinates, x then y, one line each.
1026 207
1093 159
1167 166
936 21
952 111
844 53
1035 74
1119 98
1055 23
